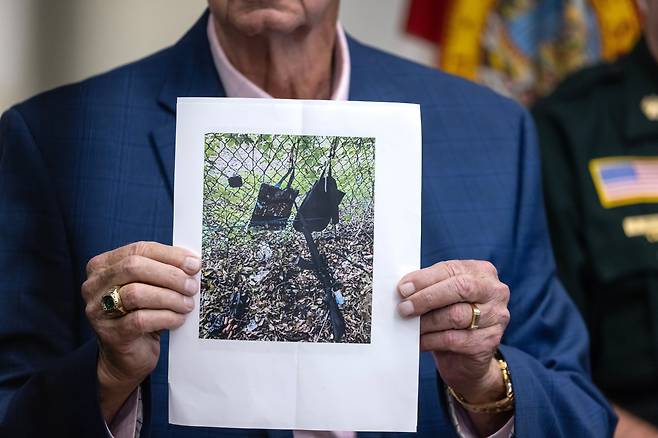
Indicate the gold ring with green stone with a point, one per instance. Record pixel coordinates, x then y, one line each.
111 302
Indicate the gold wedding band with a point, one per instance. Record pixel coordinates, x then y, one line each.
111 302
475 317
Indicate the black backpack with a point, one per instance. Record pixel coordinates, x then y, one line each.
320 205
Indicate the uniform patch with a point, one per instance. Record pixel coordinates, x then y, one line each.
625 180
645 225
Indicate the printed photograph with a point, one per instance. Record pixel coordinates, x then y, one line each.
288 232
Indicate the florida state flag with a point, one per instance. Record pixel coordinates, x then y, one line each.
522 48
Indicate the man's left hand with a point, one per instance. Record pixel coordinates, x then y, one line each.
442 296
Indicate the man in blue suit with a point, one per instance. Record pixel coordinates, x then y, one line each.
87 294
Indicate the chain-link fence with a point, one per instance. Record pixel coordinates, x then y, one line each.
253 286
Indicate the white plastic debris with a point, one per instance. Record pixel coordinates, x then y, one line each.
258 277
251 327
264 252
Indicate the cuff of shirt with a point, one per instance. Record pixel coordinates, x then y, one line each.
464 425
125 421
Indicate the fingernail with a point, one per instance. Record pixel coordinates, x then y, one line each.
406 308
192 264
191 286
189 303
407 289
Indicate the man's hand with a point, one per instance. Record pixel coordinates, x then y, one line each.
441 296
157 283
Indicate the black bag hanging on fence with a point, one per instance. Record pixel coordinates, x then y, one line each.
274 204
320 206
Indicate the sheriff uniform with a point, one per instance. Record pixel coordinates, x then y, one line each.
599 139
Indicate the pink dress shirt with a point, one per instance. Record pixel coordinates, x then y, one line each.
127 421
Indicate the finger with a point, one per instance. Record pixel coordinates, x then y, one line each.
140 322
454 317
138 269
135 296
460 289
421 279
459 317
170 255
466 342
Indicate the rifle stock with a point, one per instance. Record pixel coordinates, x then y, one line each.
323 275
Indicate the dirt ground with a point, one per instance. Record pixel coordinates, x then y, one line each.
254 289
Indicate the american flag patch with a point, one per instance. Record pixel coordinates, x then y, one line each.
625 180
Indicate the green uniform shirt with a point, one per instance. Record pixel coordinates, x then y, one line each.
599 138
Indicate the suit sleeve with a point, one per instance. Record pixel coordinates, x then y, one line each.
546 343
48 381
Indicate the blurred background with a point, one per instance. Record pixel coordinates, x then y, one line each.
520 48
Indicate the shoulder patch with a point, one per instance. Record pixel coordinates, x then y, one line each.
625 180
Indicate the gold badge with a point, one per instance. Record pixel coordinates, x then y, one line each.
645 225
649 105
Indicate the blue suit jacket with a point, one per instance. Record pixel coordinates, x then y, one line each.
89 167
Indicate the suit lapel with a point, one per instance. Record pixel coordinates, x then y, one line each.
163 142
193 75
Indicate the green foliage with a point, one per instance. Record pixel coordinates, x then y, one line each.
262 158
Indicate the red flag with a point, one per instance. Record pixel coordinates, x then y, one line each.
426 19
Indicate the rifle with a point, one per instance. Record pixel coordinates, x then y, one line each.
319 267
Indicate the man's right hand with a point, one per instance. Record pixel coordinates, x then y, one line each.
157 282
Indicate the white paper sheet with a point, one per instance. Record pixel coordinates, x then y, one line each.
366 386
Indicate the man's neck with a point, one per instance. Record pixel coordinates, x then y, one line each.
294 66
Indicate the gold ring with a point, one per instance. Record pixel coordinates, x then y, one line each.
111 302
475 317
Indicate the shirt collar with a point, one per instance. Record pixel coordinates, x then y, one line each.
238 85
